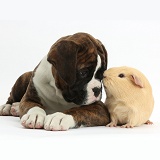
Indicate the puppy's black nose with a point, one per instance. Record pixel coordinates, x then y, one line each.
96 91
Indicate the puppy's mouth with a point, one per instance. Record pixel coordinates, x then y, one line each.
75 97
83 97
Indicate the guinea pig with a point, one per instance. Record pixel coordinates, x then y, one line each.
129 97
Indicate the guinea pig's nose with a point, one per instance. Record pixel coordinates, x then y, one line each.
104 76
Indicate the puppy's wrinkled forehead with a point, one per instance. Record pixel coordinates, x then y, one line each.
86 57
87 53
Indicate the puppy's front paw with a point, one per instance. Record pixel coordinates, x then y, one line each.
34 118
59 122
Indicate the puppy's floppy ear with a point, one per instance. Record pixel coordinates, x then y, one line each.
101 50
63 56
103 53
136 80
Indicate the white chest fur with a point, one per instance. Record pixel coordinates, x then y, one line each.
50 95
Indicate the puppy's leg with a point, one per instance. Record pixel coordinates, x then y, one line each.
32 112
90 115
16 94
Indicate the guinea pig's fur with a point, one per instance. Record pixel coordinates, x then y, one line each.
129 96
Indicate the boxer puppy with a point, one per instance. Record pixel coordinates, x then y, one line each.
64 90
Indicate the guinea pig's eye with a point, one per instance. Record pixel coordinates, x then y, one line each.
121 75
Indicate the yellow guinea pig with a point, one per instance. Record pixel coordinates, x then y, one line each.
129 97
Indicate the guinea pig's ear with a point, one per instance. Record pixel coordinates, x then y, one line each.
63 56
136 80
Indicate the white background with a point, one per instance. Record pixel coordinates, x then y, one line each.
130 31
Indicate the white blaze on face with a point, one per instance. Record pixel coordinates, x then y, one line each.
92 84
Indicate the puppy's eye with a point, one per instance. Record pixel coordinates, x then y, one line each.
83 73
121 75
